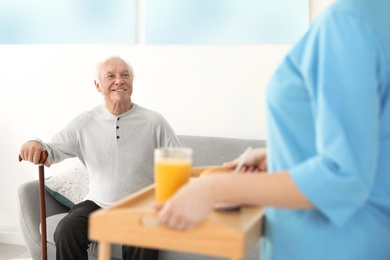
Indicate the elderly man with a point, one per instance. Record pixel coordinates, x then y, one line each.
115 142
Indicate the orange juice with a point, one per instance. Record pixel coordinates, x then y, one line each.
169 175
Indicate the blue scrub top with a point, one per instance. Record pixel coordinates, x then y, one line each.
329 126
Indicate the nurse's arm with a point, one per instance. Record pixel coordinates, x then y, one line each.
275 190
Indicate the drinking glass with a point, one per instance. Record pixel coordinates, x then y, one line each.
172 169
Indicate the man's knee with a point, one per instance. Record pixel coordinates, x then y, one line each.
70 228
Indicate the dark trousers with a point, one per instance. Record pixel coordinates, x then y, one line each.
71 237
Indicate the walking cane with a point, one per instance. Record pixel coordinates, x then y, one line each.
42 203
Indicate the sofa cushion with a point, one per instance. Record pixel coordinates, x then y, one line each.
210 150
51 225
70 186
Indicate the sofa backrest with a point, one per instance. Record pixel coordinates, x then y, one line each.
216 150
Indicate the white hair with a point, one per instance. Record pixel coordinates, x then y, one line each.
99 66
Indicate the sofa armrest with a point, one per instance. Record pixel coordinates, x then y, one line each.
29 219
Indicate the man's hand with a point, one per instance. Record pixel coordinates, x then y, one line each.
32 151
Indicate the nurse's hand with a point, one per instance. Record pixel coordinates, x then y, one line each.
256 162
188 207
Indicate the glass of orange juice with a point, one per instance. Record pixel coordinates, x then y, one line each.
172 169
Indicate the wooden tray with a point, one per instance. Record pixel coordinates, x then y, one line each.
132 221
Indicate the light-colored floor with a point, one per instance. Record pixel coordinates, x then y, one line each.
13 252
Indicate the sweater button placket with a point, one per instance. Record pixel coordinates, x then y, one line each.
117 127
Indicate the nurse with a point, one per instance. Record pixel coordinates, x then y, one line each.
327 191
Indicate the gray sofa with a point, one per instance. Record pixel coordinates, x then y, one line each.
207 151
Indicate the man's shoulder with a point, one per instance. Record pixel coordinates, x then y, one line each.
83 117
152 116
99 110
146 111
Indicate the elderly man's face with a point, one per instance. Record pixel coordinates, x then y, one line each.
116 81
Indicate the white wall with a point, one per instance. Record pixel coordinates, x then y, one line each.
201 90
205 90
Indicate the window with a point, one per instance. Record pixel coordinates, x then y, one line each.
225 21
152 21
67 22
